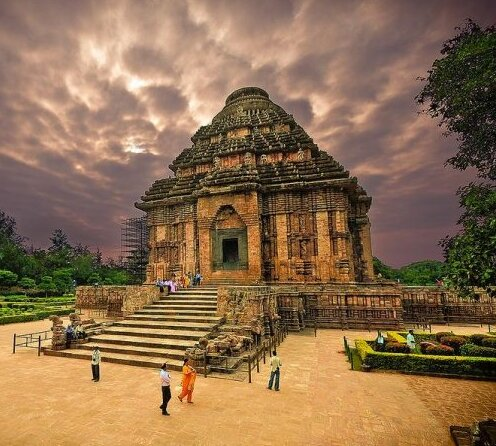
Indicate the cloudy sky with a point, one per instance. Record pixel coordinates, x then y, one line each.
98 97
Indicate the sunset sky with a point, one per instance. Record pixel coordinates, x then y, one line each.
98 97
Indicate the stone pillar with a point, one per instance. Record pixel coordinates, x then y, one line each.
190 255
367 250
282 264
324 246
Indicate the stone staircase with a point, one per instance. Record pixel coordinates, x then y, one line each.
158 333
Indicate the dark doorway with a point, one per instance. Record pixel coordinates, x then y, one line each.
230 251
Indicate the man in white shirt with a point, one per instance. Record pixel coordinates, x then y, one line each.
95 364
166 393
275 365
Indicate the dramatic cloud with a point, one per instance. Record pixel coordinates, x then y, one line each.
98 97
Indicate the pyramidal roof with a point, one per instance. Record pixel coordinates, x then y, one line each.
252 143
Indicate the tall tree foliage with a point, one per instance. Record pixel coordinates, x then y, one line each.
460 90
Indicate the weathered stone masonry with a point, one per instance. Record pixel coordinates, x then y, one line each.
254 200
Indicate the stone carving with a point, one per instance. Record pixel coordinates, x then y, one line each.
248 158
303 249
273 155
58 330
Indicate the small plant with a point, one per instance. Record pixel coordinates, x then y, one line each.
442 350
396 347
477 338
442 334
475 350
455 342
424 345
489 341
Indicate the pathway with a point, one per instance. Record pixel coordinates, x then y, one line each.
52 401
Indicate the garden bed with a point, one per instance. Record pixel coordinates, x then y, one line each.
14 309
461 364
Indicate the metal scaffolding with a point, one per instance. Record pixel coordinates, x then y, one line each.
134 247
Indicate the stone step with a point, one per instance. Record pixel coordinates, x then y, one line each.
205 291
212 303
174 317
181 307
166 325
157 352
137 341
165 312
187 298
119 358
193 334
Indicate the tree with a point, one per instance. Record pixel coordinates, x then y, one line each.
12 253
460 89
27 283
47 284
7 278
385 271
426 272
60 253
63 279
471 254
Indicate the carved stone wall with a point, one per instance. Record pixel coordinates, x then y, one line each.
381 305
116 301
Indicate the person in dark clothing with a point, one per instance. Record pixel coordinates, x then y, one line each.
95 364
166 393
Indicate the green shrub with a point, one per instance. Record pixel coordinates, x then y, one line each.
26 317
442 334
394 336
424 345
455 342
489 342
442 350
476 338
450 365
476 350
396 347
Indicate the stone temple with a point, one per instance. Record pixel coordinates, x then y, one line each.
254 200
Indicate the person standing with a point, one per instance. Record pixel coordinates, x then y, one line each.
95 364
189 377
275 365
410 340
379 342
166 392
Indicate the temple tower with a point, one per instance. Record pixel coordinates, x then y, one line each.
255 200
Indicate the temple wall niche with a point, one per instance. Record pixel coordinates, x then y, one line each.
245 206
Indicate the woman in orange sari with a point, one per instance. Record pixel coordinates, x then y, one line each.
189 377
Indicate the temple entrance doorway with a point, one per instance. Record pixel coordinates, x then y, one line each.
230 250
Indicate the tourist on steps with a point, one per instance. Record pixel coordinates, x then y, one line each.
95 364
189 377
275 365
166 392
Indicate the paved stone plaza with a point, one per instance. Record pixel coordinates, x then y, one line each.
52 401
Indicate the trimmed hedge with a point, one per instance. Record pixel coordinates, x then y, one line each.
442 334
440 349
27 317
449 365
489 342
455 342
396 337
475 350
397 347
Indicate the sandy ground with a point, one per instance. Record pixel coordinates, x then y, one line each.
53 401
